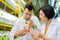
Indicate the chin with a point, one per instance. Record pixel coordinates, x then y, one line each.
43 20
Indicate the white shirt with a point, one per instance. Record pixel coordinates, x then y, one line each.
53 30
19 25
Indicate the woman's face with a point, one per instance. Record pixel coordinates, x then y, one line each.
42 16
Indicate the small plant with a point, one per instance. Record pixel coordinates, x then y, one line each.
35 27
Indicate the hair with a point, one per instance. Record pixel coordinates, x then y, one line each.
48 11
29 6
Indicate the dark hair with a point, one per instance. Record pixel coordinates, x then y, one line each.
48 11
29 6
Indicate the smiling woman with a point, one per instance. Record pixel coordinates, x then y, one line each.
52 26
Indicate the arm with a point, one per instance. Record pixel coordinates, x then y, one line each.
44 37
17 31
38 35
12 32
20 33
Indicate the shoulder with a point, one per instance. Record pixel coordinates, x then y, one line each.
19 21
56 22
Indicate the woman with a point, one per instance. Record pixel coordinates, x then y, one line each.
51 29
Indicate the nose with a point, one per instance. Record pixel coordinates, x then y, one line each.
28 16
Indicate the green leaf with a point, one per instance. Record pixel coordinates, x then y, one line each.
24 27
35 27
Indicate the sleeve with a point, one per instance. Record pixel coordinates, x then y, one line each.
12 32
17 27
56 35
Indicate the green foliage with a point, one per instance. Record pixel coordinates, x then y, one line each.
35 27
37 4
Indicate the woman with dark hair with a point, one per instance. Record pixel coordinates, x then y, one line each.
51 29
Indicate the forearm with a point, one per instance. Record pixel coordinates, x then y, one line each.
20 33
37 39
45 37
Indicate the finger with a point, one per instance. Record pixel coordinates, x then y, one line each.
31 33
31 21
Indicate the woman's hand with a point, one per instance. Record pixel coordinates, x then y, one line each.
35 34
46 38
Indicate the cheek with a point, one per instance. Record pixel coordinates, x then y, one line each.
43 18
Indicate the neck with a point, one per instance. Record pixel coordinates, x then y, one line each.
48 22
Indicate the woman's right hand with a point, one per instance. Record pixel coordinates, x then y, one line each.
35 34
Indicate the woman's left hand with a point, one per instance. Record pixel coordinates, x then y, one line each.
35 35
